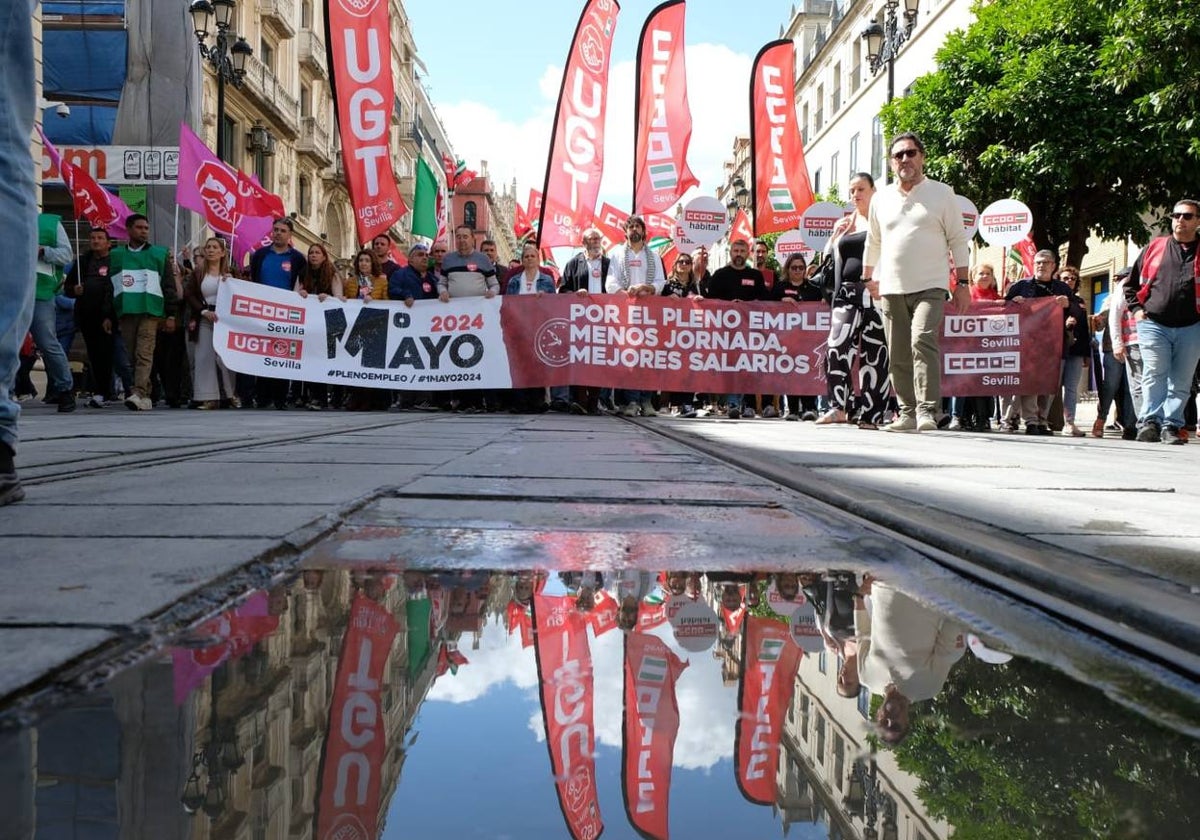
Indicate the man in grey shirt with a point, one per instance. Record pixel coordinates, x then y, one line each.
467 272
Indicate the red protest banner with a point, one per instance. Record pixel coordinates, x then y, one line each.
356 742
1002 348
651 722
564 664
768 680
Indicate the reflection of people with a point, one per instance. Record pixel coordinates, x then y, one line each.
905 653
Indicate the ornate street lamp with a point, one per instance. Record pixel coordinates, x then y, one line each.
884 42
228 60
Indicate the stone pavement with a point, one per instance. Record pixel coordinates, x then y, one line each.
128 513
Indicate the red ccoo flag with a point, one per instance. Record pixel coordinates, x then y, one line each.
576 160
778 173
741 227
361 71
768 681
662 123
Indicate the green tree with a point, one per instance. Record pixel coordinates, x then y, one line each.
1022 105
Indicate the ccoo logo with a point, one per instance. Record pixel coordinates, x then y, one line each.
218 190
358 8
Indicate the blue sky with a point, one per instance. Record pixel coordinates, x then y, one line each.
500 109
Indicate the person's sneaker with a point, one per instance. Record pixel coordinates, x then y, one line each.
687 411
559 406
131 402
1071 430
942 421
748 412
926 423
1044 431
734 413
66 403
631 410
769 413
575 408
1171 435
648 409
903 423
956 425
1129 434
1149 433
808 416
96 401
10 486
1032 429
1098 428
791 416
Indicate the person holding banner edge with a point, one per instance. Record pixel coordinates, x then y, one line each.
913 224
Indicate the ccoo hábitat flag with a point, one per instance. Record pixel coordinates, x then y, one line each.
778 173
662 121
576 160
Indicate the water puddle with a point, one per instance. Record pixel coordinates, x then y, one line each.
401 700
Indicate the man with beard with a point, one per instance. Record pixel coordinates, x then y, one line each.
736 281
583 275
144 296
635 270
381 247
1035 408
912 225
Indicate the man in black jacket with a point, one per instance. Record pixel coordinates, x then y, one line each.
1163 293
736 281
1035 408
90 283
583 275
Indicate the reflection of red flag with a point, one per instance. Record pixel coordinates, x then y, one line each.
768 680
779 175
356 741
362 81
235 633
519 618
651 721
603 616
576 160
650 615
741 227
662 126
564 664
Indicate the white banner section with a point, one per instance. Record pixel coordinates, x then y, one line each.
431 346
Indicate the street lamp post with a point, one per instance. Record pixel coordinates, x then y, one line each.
228 60
884 42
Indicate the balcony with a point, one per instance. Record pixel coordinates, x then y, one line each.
314 141
279 16
262 85
312 52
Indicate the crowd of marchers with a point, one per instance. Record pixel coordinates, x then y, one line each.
883 275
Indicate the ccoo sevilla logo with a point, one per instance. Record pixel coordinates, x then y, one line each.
358 8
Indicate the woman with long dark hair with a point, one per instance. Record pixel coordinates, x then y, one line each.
318 277
856 324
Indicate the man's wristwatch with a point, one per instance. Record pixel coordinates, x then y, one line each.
961 282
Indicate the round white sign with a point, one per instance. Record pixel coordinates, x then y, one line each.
683 242
804 630
695 626
783 607
970 215
704 220
792 242
1004 223
816 225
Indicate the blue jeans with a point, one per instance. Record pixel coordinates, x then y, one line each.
18 207
45 337
1169 357
1072 369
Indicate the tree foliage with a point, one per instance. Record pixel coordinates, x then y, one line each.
1020 751
1024 104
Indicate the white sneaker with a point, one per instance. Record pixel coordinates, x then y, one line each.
648 409
956 425
132 403
925 423
903 423
96 401
631 410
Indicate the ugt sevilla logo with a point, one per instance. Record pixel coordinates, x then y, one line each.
591 48
358 8
219 191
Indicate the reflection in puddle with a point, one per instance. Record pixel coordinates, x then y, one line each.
555 704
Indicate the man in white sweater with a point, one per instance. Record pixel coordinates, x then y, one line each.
915 225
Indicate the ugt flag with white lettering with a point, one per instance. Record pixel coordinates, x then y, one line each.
768 680
648 734
356 741
362 79
576 160
564 666
662 127
778 173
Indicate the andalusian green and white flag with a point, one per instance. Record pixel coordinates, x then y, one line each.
424 213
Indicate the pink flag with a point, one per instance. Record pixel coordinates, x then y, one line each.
251 233
94 203
217 191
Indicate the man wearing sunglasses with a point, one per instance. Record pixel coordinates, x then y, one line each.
913 224
1163 293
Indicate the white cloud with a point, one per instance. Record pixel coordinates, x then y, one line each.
707 707
718 92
